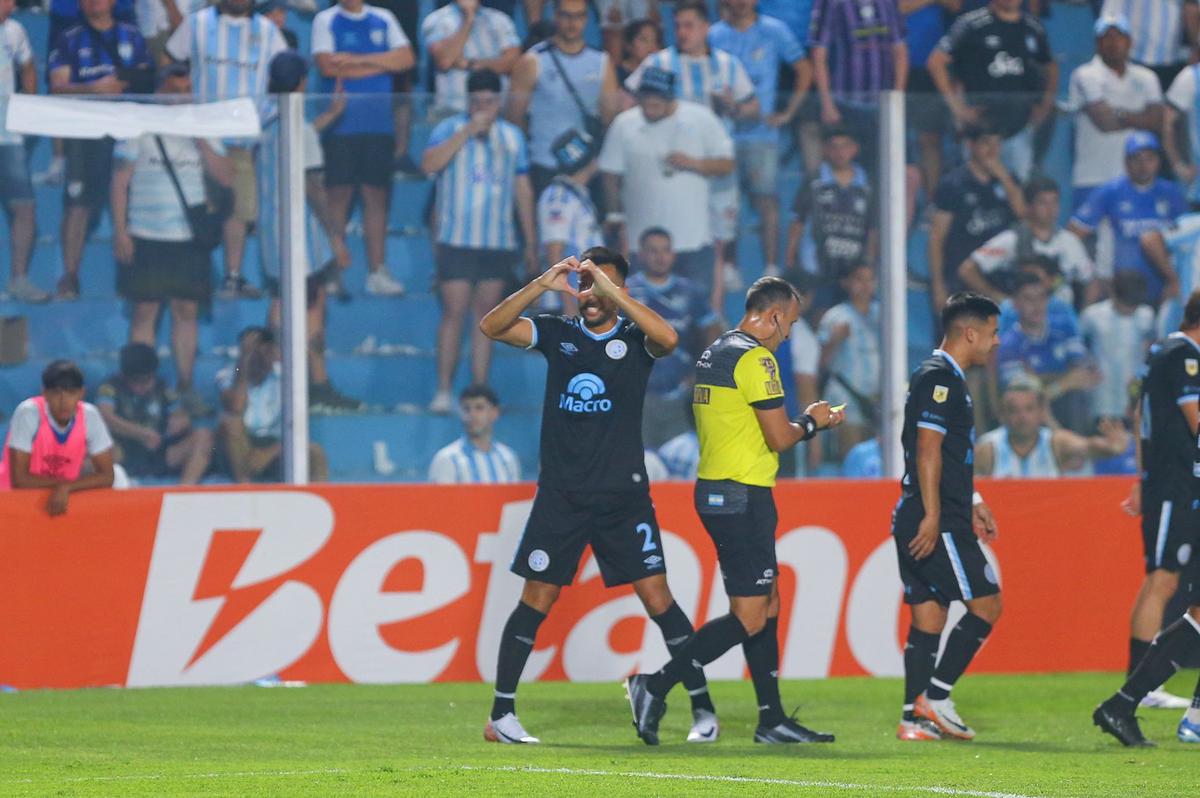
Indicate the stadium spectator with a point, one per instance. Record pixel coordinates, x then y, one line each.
276 11
567 221
17 73
1061 310
205 40
251 426
482 184
408 14
97 56
617 15
639 39
1135 203
153 433
58 441
657 161
857 50
363 48
683 305
764 45
158 259
66 14
835 224
924 25
1181 117
323 255
463 38
477 457
1164 34
1059 359
561 85
849 336
804 354
991 268
156 19
864 461
1112 97
1118 332
972 203
716 79
1027 446
995 67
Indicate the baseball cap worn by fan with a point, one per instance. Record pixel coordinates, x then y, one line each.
1140 140
657 81
1107 22
286 71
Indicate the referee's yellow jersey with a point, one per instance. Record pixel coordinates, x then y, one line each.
733 376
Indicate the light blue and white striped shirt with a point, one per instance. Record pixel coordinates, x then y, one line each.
565 213
857 359
154 211
229 55
318 250
1007 464
476 192
461 463
492 33
1118 345
698 78
681 455
1155 26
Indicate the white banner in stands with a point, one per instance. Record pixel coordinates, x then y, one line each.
65 117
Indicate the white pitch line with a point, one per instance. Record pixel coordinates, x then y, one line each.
825 785
235 774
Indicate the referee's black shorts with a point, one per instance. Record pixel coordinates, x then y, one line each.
741 521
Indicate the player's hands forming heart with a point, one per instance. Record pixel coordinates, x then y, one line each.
555 278
593 282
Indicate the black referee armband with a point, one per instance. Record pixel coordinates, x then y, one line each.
809 424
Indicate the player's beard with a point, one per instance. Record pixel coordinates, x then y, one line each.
604 316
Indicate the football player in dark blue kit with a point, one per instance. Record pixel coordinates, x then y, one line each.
1169 499
592 484
940 520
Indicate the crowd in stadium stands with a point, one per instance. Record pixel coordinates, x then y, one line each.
545 147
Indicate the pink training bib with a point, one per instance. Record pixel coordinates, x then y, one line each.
54 456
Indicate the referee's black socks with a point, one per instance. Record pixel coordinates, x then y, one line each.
515 644
762 657
920 659
710 641
1172 646
676 630
962 646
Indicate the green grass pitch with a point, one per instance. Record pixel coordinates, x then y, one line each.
1035 739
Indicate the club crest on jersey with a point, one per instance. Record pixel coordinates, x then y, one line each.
616 349
1191 366
941 393
585 394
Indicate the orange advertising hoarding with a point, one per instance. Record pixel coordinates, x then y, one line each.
411 584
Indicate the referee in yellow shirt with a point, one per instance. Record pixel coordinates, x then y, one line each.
742 426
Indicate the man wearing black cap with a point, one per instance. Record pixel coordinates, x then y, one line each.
154 435
657 161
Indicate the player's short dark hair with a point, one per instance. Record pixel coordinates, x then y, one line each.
1025 279
603 256
698 6
1129 286
483 80
138 360
653 231
830 132
968 306
480 391
1191 312
767 292
1040 185
62 375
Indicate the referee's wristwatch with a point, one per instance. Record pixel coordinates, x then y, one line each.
809 424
